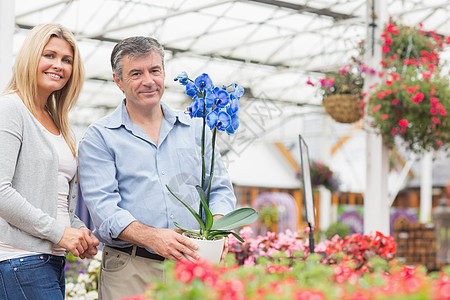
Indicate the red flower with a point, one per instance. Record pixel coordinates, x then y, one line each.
394 101
376 108
411 89
403 123
381 95
418 97
436 120
388 41
386 49
394 131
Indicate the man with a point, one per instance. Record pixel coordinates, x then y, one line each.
126 160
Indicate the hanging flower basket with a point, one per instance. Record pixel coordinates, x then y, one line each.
411 103
343 108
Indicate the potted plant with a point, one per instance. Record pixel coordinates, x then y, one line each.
412 101
341 91
322 175
218 108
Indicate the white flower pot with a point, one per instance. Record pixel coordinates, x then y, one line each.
208 249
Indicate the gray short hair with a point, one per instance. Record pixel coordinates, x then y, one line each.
134 47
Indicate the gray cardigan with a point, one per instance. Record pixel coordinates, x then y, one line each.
29 181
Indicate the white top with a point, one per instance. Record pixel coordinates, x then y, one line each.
66 171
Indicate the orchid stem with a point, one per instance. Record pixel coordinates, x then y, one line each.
200 209
212 164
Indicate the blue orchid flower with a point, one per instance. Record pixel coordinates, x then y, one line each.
224 120
191 89
195 110
182 78
212 118
234 124
219 97
238 90
233 108
203 82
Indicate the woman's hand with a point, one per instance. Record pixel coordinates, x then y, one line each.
74 240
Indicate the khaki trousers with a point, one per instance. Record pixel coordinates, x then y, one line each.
124 275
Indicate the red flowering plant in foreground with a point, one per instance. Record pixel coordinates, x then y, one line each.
412 101
314 276
288 247
308 279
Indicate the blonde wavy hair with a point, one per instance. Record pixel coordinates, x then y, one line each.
24 78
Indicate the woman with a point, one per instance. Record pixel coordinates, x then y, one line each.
38 180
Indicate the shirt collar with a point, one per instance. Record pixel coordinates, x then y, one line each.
120 116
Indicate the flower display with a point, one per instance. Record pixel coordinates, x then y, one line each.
342 90
413 99
82 277
308 279
348 80
218 109
288 272
290 246
322 175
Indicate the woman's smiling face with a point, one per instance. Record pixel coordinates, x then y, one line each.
55 66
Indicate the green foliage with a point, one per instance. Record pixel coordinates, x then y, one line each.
338 228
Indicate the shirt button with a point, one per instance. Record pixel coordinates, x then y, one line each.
163 172
171 216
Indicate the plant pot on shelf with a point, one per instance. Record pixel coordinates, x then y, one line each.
343 108
208 249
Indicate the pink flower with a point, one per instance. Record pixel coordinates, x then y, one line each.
394 101
418 97
309 82
434 100
410 89
376 108
394 131
384 116
330 82
436 120
403 123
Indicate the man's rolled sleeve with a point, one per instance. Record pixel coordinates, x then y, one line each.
99 187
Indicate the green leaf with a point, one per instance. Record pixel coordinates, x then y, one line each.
215 234
208 215
193 212
187 230
235 219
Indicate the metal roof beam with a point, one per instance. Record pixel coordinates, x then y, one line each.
43 8
178 13
303 8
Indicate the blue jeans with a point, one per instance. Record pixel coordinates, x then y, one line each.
33 277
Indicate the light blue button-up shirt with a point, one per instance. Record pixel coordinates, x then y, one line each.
123 173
